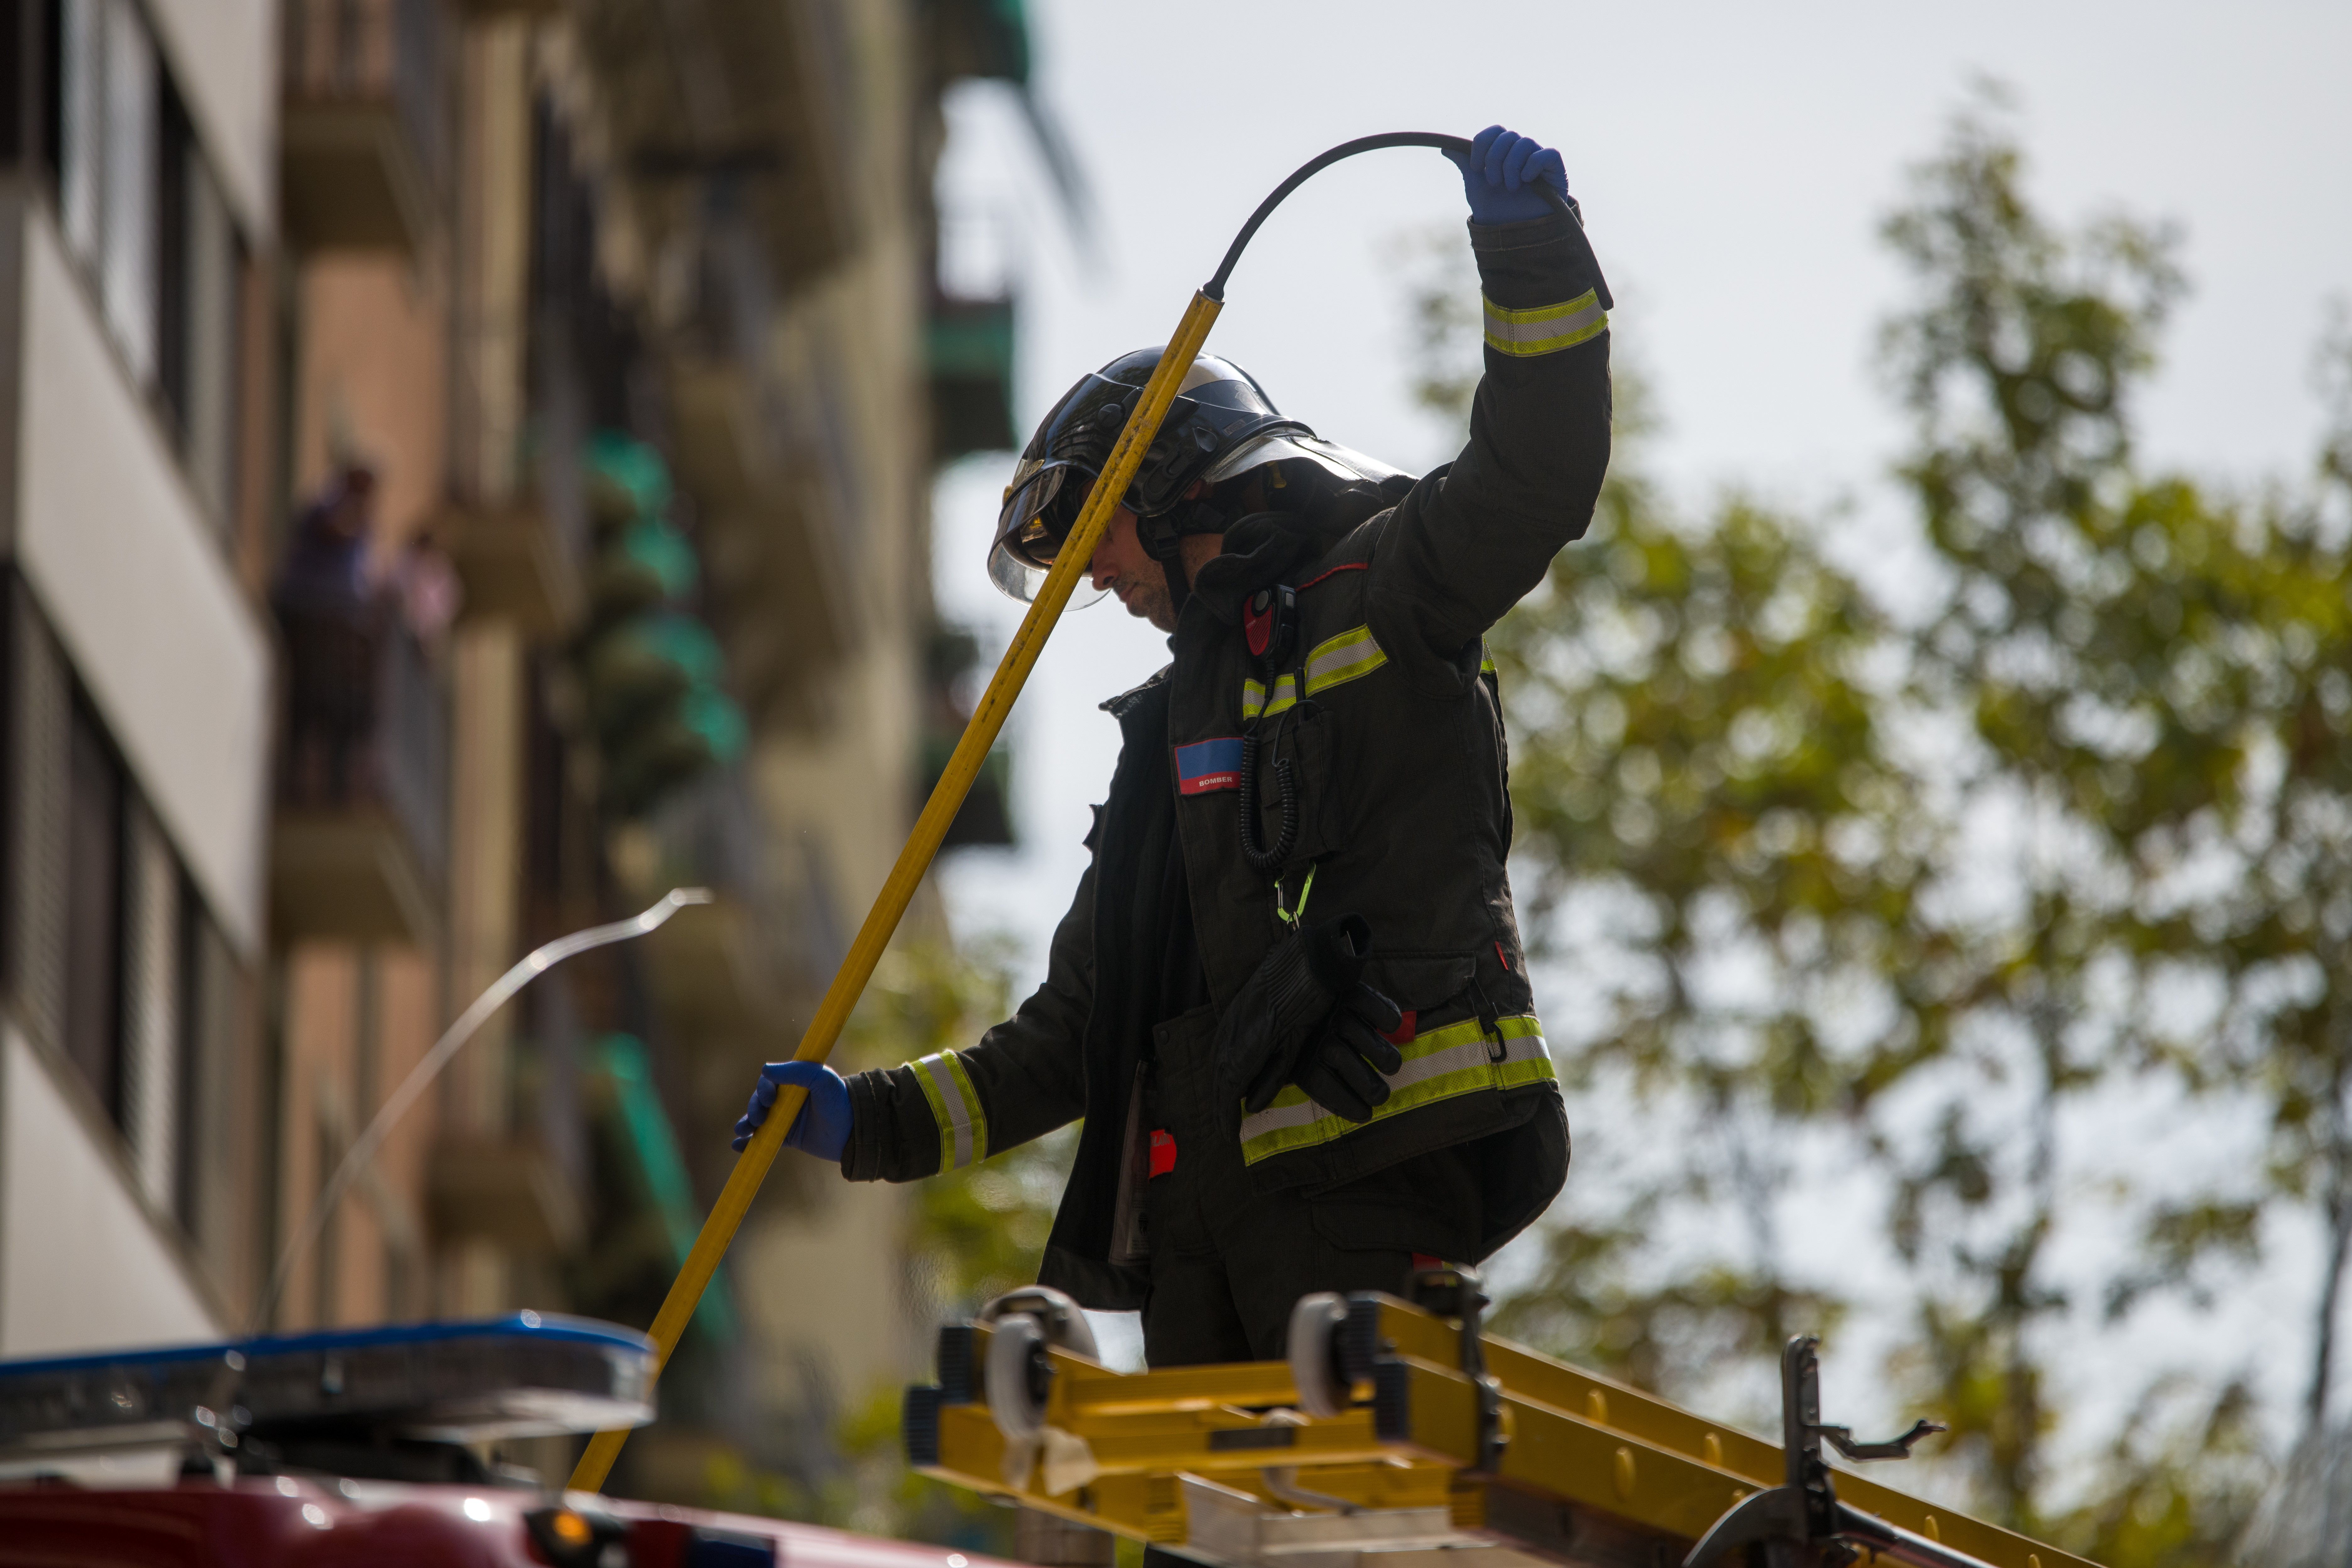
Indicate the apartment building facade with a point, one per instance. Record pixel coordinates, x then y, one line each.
464 469
138 192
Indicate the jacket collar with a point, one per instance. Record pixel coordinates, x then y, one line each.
1128 701
1260 550
1269 547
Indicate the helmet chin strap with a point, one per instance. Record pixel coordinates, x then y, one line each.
1162 538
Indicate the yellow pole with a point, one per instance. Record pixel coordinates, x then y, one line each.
922 844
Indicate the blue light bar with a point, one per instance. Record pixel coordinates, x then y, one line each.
525 1376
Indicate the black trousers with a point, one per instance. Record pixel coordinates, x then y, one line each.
1228 1263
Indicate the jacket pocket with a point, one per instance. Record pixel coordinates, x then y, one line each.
1304 740
1421 982
1129 1244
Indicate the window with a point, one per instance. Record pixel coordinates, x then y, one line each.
107 164
114 963
204 1196
94 834
19 106
145 215
127 273
196 310
80 120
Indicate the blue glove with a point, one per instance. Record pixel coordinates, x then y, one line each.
1502 173
823 1127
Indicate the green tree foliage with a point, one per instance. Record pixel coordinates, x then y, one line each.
2017 363
1704 759
1931 898
2152 680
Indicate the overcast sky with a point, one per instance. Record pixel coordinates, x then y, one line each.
1734 162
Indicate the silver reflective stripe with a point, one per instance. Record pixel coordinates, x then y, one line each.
1548 328
1254 702
1275 1118
949 1098
1476 1052
1354 647
1335 661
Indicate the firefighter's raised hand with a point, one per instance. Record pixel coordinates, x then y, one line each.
1502 173
823 1126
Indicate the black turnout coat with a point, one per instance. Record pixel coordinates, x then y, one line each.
1398 762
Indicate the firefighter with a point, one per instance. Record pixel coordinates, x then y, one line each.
1289 999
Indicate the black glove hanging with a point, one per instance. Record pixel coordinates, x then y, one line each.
1341 1068
1307 1012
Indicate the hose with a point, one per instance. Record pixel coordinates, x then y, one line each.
1449 145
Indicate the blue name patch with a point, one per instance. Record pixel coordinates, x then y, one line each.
1206 765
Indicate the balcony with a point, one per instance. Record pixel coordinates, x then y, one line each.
512 1191
779 590
721 972
970 346
516 565
361 136
954 679
753 93
360 835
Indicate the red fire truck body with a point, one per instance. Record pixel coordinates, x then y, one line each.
358 1448
304 1524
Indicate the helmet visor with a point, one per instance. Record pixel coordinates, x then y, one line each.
1041 506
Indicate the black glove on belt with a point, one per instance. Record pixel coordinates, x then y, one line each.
1307 1017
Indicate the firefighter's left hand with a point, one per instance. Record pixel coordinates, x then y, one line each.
1502 173
823 1126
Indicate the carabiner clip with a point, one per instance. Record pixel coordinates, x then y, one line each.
1291 917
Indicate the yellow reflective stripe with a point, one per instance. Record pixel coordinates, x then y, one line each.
1285 695
1485 658
1350 656
955 1109
1455 1060
979 1118
1547 328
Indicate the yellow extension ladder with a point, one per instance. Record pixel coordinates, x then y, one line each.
1403 1430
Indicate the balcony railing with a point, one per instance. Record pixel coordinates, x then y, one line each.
365 134
362 833
970 347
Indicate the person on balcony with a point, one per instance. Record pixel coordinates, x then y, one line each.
425 584
326 570
330 613
1289 1001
